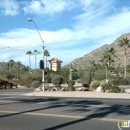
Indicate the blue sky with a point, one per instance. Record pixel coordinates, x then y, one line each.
69 28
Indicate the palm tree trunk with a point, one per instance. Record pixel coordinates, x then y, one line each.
125 66
106 73
29 62
46 61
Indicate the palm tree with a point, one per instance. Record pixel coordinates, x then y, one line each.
125 43
46 53
35 58
108 58
29 53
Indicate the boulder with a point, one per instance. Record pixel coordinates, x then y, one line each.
54 89
127 91
78 89
99 89
107 91
82 89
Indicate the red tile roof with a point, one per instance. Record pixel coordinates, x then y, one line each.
55 60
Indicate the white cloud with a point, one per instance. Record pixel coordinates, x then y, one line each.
48 6
9 7
93 27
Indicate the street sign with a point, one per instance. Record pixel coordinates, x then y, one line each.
36 53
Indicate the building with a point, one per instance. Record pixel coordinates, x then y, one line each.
55 64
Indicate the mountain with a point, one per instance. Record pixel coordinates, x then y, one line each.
97 53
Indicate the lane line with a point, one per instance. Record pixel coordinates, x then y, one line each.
59 115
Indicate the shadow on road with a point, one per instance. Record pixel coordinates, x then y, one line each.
99 112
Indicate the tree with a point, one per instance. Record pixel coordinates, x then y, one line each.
29 53
125 43
57 80
35 58
46 53
18 68
10 64
108 58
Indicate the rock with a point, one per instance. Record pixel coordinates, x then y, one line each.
82 89
54 89
107 91
39 89
127 91
99 89
63 89
78 89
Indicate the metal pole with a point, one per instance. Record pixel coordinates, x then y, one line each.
43 87
70 76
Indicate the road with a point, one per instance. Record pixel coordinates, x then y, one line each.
19 112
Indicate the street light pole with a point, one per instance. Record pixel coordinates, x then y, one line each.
30 20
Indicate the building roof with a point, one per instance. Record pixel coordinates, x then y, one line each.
55 60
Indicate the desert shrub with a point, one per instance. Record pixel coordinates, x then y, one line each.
94 84
37 75
115 82
35 84
71 84
115 89
107 86
103 82
24 82
124 82
57 80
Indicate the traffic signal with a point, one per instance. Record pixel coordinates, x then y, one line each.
41 64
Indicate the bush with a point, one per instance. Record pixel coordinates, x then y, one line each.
115 89
107 86
57 80
124 82
111 88
35 84
120 82
94 84
71 84
115 82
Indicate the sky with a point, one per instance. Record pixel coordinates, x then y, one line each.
69 28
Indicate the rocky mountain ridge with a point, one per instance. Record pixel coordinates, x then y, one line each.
97 53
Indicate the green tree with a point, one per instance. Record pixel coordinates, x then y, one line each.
29 53
108 58
46 53
125 44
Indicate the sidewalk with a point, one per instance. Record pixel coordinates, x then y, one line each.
85 94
